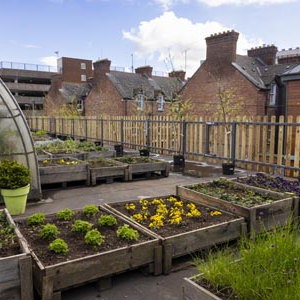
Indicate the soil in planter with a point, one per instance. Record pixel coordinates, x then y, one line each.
228 191
59 162
77 247
188 223
9 244
102 163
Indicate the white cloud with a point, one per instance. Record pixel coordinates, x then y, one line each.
167 4
177 43
31 46
49 60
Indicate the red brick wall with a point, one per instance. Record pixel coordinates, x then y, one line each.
202 90
293 96
71 69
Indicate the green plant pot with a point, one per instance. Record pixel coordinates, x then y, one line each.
15 200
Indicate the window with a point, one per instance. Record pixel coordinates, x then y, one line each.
83 66
272 99
79 105
140 101
160 102
83 77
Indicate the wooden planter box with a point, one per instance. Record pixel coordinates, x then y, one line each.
50 281
64 173
119 170
194 291
188 242
16 271
259 218
147 169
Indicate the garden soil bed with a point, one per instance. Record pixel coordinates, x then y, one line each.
192 234
54 273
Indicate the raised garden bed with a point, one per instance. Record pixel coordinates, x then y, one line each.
15 262
63 170
83 263
262 209
106 169
183 226
144 166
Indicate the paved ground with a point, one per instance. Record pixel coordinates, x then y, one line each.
130 285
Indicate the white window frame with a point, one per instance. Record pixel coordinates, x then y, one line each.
160 102
83 77
83 66
79 105
273 94
140 101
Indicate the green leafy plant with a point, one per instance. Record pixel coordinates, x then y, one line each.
13 175
49 231
264 267
107 220
36 219
90 210
81 226
127 233
94 238
65 214
59 246
7 233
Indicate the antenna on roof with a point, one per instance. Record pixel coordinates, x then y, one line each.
131 62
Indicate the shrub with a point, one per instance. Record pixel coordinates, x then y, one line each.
49 231
81 226
13 175
107 220
127 233
59 246
36 219
94 238
65 214
90 210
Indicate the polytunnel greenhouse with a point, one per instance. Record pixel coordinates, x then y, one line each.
15 138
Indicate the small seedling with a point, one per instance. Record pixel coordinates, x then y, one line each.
36 219
94 238
65 214
127 233
59 246
81 226
49 231
90 210
107 220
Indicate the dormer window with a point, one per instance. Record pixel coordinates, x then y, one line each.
272 96
79 105
160 102
140 101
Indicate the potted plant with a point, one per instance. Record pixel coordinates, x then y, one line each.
15 185
179 110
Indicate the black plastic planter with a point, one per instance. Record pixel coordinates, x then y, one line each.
228 168
144 152
119 150
178 160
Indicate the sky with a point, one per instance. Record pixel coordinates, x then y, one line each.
165 34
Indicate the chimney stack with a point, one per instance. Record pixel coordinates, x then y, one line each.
145 70
221 47
266 53
178 74
101 67
288 56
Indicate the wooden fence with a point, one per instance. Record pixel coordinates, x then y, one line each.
259 143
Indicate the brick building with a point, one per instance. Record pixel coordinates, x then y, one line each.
70 86
123 93
256 80
109 92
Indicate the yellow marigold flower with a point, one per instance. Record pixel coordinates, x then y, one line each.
130 206
138 218
144 202
162 209
191 206
172 199
176 220
157 201
157 222
178 203
215 213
